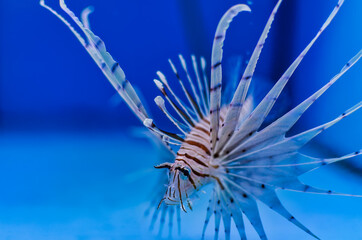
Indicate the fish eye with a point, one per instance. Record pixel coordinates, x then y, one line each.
185 172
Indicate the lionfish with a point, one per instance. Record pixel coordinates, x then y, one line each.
223 145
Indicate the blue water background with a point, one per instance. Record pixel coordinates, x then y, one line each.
71 166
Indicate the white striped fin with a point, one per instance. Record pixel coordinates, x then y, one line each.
248 206
187 111
285 178
226 216
276 130
184 115
160 102
209 212
71 28
282 171
102 58
224 203
233 113
114 72
257 117
186 92
206 82
217 217
198 104
290 144
300 162
267 195
85 16
216 72
150 125
278 179
119 77
81 40
201 87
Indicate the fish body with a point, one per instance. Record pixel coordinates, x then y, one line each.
223 145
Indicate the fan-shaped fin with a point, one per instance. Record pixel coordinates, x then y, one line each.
233 113
266 194
257 117
251 211
290 144
235 212
216 72
276 130
110 68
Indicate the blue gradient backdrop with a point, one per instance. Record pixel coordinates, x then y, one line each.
71 166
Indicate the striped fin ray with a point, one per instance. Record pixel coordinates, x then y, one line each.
200 85
267 195
206 82
279 178
85 16
257 117
233 113
113 72
150 125
209 212
282 171
160 102
120 80
195 107
183 106
198 103
300 162
223 204
71 28
228 210
290 144
236 215
226 219
216 72
247 206
222 211
276 130
217 217
127 94
183 113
